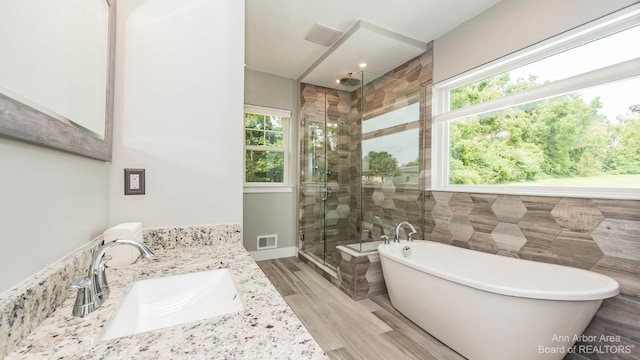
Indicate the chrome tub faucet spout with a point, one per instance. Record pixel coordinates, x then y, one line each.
409 237
93 289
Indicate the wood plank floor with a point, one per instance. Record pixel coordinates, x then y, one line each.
347 329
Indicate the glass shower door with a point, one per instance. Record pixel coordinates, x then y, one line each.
325 217
313 187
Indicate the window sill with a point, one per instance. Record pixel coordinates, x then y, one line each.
259 189
575 192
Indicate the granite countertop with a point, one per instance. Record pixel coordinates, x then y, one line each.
266 329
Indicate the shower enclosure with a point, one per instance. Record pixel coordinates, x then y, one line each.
360 164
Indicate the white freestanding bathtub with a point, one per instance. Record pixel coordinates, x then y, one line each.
492 307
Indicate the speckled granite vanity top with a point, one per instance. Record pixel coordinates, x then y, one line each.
266 329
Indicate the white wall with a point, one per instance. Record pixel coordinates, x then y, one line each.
51 203
178 111
272 213
510 26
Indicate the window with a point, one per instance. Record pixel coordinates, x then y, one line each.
559 118
265 145
390 147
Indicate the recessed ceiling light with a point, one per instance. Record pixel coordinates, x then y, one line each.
338 81
363 65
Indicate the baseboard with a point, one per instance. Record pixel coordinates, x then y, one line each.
274 253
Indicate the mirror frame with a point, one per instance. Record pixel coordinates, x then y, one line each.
25 123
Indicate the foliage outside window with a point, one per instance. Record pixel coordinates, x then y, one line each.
265 145
546 124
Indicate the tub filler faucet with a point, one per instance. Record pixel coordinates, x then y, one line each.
397 237
93 289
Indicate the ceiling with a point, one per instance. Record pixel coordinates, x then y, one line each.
276 30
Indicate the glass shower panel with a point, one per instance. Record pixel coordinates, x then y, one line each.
313 185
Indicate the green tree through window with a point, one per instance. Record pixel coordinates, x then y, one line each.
265 148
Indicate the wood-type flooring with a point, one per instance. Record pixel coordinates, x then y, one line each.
346 329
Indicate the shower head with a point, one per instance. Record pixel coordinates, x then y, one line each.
350 81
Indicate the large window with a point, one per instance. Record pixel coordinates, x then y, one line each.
562 117
265 145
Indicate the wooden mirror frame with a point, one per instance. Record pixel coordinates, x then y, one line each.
25 123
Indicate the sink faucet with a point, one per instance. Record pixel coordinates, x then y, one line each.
93 289
413 231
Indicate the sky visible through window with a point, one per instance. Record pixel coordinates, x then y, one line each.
616 97
403 145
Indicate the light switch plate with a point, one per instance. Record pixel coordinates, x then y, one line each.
134 181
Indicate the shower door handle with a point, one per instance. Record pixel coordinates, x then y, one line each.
326 193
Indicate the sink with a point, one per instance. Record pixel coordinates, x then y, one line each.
161 302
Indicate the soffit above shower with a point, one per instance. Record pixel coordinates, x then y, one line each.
382 50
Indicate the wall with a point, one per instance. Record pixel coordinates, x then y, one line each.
264 212
597 234
179 101
510 26
52 203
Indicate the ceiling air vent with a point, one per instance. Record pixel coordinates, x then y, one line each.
323 35
267 242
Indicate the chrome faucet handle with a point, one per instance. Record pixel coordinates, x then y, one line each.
385 238
93 288
100 279
85 300
410 238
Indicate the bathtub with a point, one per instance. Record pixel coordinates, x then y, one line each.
492 307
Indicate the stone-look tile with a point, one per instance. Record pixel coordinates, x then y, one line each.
442 197
482 217
483 242
429 223
626 272
538 249
539 225
508 237
577 215
374 276
619 209
508 254
442 213
540 229
539 202
441 233
483 198
508 208
461 228
619 238
576 249
461 204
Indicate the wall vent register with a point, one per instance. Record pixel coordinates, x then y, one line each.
267 242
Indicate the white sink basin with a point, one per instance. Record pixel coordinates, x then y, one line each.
156 303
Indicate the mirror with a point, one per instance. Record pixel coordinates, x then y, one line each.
57 74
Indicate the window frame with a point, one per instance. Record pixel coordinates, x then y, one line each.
258 187
604 26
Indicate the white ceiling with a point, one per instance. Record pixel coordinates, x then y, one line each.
276 29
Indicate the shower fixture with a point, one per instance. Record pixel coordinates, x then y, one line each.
349 81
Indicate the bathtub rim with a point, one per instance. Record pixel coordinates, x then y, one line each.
609 287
